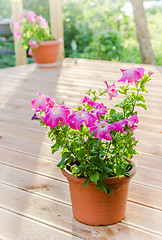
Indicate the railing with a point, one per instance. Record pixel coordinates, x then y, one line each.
55 9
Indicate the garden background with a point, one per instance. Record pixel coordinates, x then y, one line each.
101 29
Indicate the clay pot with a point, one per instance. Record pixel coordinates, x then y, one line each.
47 52
94 207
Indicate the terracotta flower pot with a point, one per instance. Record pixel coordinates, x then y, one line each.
46 54
94 207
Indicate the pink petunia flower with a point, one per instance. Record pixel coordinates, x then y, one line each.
39 17
78 117
56 114
102 130
33 44
119 126
150 73
30 52
111 90
43 23
131 121
132 75
16 25
100 109
31 17
35 117
43 103
17 34
92 103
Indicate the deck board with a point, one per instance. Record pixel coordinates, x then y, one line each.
38 181
34 194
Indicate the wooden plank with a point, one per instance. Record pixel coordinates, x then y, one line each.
53 185
151 178
72 71
56 22
36 133
75 81
153 108
35 183
11 142
23 95
59 215
6 118
17 8
25 161
19 225
15 226
98 68
20 107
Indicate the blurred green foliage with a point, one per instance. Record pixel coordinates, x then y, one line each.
95 27
100 29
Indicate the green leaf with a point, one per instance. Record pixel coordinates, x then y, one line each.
94 177
54 148
42 123
112 111
86 182
81 153
103 187
107 170
66 155
61 164
140 98
128 174
119 170
59 141
142 105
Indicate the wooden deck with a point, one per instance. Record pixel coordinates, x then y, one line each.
34 196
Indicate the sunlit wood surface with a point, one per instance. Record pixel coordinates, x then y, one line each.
34 196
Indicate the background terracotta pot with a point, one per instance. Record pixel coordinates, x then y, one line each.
46 53
93 207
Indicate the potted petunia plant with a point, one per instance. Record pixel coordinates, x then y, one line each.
97 144
33 33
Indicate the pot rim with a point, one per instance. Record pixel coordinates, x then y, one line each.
51 42
69 176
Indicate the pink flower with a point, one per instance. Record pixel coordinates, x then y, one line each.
132 75
131 122
100 109
31 17
102 130
43 103
21 15
39 17
43 23
89 101
33 44
119 126
78 117
56 114
111 90
35 117
17 34
30 52
16 25
150 73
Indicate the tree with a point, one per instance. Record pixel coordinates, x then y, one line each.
142 32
